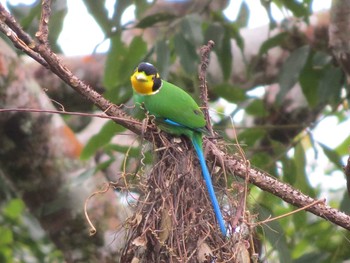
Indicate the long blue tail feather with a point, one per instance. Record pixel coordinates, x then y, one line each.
197 143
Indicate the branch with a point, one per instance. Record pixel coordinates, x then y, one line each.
41 52
282 190
205 52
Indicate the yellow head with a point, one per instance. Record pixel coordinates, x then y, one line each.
146 80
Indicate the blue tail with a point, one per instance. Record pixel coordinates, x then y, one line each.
197 143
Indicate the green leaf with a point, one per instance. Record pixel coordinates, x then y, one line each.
225 55
331 83
28 19
151 20
332 155
29 15
99 140
289 170
312 257
256 108
272 42
6 236
116 56
267 6
191 29
215 32
13 209
321 59
186 42
57 17
187 53
275 234
98 11
136 53
163 58
141 6
120 63
104 165
344 147
133 152
250 136
345 203
243 15
301 182
291 70
236 35
309 81
119 8
298 9
300 220
263 161
230 92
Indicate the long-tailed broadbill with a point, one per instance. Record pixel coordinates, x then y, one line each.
176 113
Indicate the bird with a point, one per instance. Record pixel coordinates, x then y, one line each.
176 113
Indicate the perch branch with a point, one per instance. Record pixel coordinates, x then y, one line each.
284 191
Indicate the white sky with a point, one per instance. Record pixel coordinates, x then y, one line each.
81 36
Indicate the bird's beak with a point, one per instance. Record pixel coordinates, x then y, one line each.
140 77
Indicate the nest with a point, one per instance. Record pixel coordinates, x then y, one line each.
174 220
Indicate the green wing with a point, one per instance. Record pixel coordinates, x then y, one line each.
174 104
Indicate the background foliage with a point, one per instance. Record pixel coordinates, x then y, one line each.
275 138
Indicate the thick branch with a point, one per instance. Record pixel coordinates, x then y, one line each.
42 51
282 190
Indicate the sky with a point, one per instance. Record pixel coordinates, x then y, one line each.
76 40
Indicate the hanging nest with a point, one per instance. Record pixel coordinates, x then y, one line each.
174 220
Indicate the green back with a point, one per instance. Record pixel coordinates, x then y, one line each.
174 104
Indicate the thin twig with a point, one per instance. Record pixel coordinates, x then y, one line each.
102 116
93 230
205 52
10 21
290 213
43 33
20 44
